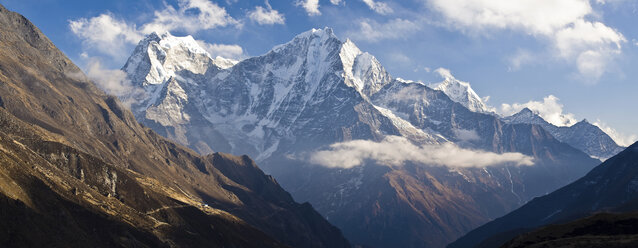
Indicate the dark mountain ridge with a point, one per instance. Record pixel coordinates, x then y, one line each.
611 186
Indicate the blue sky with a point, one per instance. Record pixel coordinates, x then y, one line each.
569 59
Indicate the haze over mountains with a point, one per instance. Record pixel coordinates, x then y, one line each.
310 110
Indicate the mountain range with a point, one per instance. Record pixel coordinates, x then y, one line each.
79 171
307 111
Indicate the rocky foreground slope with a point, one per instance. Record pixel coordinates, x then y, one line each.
77 170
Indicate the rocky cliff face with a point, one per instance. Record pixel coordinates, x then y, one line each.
317 90
80 171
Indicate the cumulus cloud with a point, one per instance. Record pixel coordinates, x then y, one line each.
620 138
589 45
266 16
549 109
190 16
111 36
311 6
235 52
372 31
396 151
379 7
105 33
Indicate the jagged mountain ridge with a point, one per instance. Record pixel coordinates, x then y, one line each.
260 110
315 91
611 186
79 171
582 135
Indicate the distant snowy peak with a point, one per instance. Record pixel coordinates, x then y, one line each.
526 115
582 135
462 93
159 57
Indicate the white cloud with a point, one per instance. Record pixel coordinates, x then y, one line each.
589 45
105 34
311 6
549 109
379 7
620 138
396 151
113 82
234 52
336 2
372 31
266 16
190 16
111 36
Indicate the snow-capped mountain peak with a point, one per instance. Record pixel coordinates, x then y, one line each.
361 71
157 58
462 93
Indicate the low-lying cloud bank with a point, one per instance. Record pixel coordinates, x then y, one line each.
396 151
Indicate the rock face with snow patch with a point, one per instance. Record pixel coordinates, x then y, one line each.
582 135
462 93
317 90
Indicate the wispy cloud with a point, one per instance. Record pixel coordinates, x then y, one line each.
266 16
108 35
396 151
114 82
235 52
190 16
379 7
589 45
373 31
